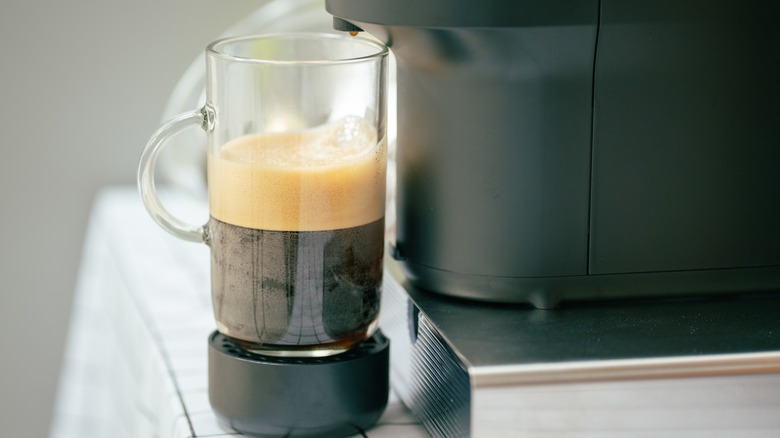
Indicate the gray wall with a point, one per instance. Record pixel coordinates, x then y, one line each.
83 83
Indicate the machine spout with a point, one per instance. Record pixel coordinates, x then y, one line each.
346 26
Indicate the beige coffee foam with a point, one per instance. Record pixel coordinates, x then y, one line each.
326 178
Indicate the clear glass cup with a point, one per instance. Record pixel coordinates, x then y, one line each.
296 170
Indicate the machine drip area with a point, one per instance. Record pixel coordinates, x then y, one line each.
272 396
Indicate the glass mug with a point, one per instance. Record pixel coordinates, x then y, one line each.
296 168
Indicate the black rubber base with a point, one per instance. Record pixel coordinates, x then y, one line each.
266 396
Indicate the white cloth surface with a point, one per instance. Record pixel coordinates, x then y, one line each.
136 356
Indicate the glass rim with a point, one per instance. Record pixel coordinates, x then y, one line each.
216 48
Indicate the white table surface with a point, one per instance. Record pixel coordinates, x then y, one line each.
136 356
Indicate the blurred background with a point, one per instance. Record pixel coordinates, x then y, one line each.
84 83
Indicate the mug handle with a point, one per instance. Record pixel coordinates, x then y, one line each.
146 168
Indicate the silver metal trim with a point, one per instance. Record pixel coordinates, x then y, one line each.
627 369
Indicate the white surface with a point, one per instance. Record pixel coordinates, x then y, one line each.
135 362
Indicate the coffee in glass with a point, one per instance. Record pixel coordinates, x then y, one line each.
296 229
296 178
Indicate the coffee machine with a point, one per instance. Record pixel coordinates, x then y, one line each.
573 150
614 162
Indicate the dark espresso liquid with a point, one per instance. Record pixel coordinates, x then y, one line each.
296 291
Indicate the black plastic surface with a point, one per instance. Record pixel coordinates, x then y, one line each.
611 330
463 13
266 396
686 136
